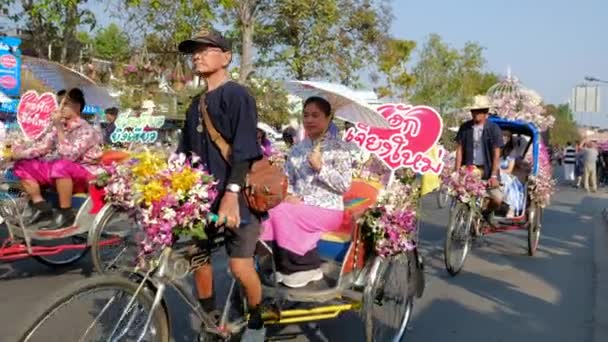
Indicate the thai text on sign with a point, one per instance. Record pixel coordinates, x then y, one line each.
413 132
132 129
34 113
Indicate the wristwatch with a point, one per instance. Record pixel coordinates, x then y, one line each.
233 188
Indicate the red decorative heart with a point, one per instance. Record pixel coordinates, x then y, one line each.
34 113
413 131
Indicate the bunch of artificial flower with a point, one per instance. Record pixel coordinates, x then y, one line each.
169 197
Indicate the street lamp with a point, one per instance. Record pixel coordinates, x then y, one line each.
594 79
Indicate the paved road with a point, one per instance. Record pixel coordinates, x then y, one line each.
501 295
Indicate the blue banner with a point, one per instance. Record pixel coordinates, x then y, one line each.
10 66
11 107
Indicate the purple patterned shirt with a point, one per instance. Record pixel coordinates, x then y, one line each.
326 188
81 144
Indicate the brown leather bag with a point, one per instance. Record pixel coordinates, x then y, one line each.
265 184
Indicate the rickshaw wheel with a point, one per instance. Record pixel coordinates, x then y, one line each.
458 238
65 258
534 226
387 302
117 256
442 197
83 299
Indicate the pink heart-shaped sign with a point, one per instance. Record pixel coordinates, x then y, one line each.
34 113
413 131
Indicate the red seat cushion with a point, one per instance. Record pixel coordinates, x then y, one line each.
109 157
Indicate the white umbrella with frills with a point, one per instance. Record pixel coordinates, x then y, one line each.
345 103
269 130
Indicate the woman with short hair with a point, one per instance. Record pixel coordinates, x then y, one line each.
66 157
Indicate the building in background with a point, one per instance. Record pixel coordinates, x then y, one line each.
586 98
586 105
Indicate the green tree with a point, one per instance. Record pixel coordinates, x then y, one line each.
447 78
436 75
392 64
244 17
167 23
271 100
111 43
321 38
564 129
54 23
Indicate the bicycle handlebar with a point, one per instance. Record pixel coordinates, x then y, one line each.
212 218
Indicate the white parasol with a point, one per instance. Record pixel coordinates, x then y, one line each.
345 103
266 128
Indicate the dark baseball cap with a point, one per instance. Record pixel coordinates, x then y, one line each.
205 37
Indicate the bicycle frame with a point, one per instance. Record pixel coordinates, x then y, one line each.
172 267
18 245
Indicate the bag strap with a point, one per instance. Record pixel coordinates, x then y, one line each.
216 137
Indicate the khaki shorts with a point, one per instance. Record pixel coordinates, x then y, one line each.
239 243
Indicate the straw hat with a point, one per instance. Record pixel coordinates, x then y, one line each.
480 102
148 104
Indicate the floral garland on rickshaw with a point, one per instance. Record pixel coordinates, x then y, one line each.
542 186
510 100
390 226
466 184
168 196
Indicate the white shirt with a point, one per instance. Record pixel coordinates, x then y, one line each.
478 152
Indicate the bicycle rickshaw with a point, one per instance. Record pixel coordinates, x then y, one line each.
381 289
466 222
58 247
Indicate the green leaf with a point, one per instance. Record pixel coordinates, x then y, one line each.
320 38
111 43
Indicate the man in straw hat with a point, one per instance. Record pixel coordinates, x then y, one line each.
479 143
231 110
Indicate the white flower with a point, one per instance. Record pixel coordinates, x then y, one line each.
169 213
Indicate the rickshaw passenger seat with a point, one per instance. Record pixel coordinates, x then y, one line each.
334 245
111 156
362 195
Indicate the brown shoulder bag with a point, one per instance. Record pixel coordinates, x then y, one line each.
265 184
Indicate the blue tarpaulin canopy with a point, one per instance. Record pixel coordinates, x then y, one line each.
11 107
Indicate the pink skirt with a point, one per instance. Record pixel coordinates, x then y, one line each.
45 172
298 227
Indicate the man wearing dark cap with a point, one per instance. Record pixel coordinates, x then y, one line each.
232 112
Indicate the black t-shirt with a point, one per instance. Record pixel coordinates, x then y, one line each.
491 139
233 112
107 133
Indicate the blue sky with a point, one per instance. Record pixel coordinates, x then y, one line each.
549 44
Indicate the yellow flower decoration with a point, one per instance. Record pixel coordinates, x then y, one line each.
152 191
149 164
183 181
